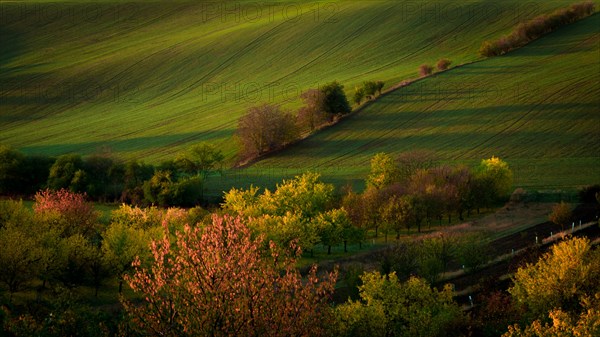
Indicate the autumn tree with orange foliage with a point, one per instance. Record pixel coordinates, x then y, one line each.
220 281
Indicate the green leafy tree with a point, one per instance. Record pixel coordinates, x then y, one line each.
11 167
305 193
14 213
78 253
36 170
370 89
497 177
20 257
394 215
287 213
401 258
201 160
159 190
359 95
97 169
134 175
67 172
436 254
243 202
335 101
121 245
389 307
383 172
335 227
473 251
371 200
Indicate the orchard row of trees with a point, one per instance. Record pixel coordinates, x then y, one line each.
63 242
234 272
533 29
300 210
104 178
411 190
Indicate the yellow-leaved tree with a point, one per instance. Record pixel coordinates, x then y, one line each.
563 285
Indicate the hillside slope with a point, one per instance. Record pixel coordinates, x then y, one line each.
537 107
147 79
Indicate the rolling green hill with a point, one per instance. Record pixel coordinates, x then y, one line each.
537 107
147 79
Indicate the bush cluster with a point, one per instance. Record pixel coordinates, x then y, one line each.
108 179
535 28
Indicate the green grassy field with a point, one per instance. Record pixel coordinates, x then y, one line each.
146 80
537 107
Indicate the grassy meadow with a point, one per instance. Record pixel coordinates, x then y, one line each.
146 80
537 108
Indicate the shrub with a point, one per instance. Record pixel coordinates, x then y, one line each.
425 69
561 214
443 64
359 94
379 85
370 89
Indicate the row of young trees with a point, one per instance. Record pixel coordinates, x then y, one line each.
63 242
367 91
233 274
411 190
533 29
104 178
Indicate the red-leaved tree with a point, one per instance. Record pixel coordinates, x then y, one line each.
220 281
75 214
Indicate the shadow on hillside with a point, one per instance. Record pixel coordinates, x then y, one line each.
128 145
452 117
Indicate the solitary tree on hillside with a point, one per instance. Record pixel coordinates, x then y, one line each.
335 99
264 128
